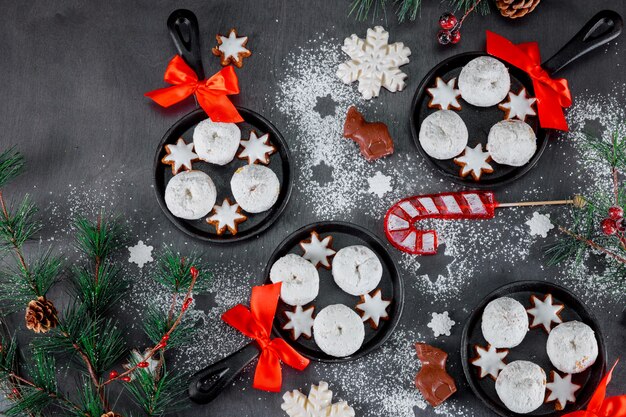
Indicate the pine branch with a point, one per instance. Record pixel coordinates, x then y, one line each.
100 284
406 9
19 224
162 344
158 393
11 165
173 272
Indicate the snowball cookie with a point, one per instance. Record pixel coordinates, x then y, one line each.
255 188
216 143
572 347
511 142
484 81
504 322
338 330
443 134
521 386
190 195
357 270
301 282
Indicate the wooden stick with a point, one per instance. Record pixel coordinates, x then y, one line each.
577 201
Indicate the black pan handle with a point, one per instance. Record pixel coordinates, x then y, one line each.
601 29
210 382
185 32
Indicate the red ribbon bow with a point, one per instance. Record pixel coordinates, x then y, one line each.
211 93
599 406
552 93
256 323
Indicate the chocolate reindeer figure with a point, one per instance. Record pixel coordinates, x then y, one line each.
373 138
432 380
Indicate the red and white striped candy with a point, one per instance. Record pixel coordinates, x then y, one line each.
401 218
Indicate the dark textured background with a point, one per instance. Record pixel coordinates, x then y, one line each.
74 74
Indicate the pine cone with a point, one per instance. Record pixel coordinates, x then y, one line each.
111 414
516 8
41 315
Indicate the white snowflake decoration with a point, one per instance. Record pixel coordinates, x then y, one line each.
540 224
441 324
374 63
317 404
380 184
140 254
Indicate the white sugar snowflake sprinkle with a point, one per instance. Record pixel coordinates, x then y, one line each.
441 324
140 254
540 224
374 63
380 184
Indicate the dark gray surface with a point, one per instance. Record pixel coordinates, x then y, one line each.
72 99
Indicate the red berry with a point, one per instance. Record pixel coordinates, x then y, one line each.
621 226
194 272
609 227
443 37
143 364
616 213
113 374
125 378
447 21
455 36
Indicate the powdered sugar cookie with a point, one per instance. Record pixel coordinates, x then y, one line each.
474 161
300 322
504 322
215 142
518 106
318 251
257 149
561 389
484 81
521 386
544 313
357 270
338 330
227 216
255 187
190 195
572 347
300 279
373 308
489 360
443 95
231 49
179 156
443 134
511 142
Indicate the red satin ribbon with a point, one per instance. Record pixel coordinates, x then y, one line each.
552 94
256 323
599 406
211 93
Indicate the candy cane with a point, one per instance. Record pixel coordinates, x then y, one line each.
401 218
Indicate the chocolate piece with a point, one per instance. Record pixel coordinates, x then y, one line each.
432 380
373 138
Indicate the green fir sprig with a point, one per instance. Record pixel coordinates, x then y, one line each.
584 232
86 333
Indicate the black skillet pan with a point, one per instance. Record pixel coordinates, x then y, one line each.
601 29
209 382
183 27
532 348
